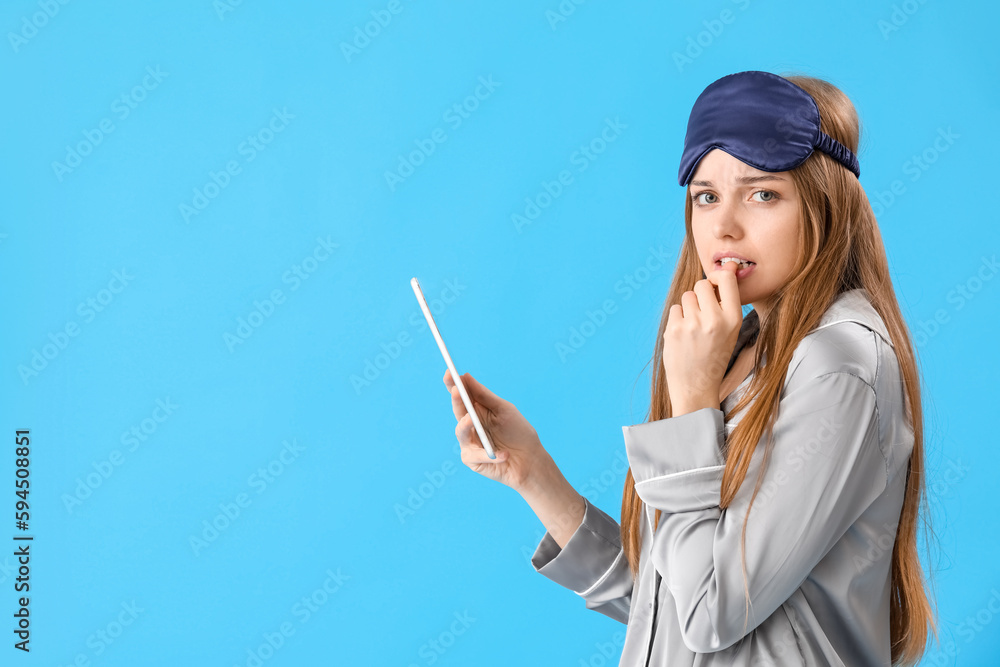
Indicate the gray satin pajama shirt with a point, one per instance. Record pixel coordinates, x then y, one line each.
820 535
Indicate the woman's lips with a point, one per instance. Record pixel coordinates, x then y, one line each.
741 273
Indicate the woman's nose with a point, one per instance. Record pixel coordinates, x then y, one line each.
728 227
729 221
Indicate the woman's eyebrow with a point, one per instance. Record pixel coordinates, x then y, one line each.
743 180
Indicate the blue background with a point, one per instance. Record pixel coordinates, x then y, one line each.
505 298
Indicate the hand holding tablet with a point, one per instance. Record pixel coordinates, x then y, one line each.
487 445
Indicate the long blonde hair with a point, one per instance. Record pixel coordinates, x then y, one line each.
841 249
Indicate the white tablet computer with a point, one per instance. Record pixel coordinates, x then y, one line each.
451 367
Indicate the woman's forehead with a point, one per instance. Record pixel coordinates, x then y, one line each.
717 163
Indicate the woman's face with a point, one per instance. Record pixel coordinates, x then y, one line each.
756 219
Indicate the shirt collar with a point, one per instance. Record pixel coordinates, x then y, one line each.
854 306
850 306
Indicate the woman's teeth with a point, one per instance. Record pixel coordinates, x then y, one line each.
742 264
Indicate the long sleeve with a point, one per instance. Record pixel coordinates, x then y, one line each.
825 469
592 564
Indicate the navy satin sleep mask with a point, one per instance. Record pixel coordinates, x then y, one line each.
761 119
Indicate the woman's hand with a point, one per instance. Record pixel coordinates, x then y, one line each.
700 338
519 453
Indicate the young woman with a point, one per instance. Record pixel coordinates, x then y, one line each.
769 514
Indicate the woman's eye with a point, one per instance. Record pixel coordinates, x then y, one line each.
771 196
767 197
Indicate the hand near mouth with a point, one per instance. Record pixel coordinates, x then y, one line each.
699 339
730 267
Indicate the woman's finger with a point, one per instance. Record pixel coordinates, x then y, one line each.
689 304
729 288
466 433
462 431
472 451
482 395
708 302
449 381
674 315
476 454
457 404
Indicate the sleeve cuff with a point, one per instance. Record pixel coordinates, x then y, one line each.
589 556
677 463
